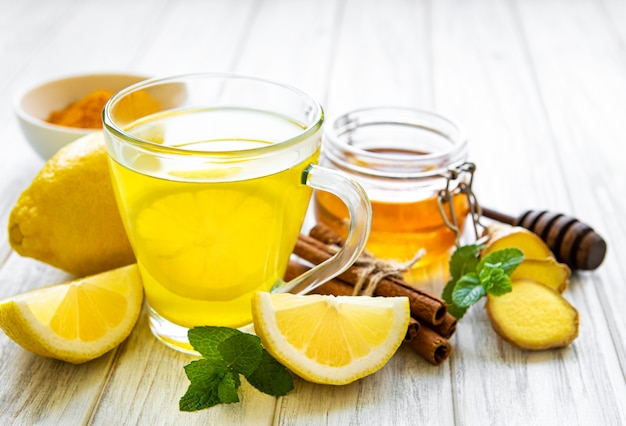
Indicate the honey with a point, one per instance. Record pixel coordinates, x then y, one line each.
406 160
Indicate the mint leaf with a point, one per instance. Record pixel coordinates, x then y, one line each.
500 287
271 377
242 352
472 278
203 369
205 377
227 388
507 259
464 260
453 309
495 280
227 354
446 295
490 274
199 396
495 269
468 290
206 339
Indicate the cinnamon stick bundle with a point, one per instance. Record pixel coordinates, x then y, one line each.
431 325
424 306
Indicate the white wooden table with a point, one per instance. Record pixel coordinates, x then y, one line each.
540 87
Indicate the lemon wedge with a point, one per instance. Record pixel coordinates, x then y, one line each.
75 321
329 339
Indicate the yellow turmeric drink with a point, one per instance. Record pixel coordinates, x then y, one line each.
208 236
213 174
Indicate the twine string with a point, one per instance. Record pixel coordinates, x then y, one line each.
372 270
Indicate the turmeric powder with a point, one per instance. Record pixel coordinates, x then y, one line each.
86 113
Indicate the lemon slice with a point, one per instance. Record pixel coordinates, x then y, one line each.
76 321
328 339
194 240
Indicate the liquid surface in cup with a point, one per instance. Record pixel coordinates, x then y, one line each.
204 248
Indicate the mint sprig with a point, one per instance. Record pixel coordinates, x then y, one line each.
228 353
472 278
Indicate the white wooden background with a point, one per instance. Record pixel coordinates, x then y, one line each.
540 86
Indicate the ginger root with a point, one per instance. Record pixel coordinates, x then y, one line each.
504 236
533 316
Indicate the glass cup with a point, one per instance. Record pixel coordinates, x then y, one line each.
213 174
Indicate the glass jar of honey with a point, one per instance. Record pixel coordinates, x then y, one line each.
411 164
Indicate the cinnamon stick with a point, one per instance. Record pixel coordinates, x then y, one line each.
447 327
326 235
430 345
334 286
424 306
412 330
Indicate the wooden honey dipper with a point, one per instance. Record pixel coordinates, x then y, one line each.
572 242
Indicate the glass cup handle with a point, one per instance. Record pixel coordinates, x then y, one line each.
360 209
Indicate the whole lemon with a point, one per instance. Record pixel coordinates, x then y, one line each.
68 216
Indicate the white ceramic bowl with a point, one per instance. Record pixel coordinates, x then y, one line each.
34 105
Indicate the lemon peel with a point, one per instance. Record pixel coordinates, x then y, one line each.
68 216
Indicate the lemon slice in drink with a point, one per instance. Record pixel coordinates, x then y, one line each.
194 240
328 339
75 321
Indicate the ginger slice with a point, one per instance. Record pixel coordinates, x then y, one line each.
533 316
545 271
539 263
504 236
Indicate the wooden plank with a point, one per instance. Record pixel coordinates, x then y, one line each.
53 42
483 80
541 88
488 77
290 42
75 393
379 58
148 379
20 42
75 44
17 169
407 391
580 46
28 395
148 371
195 37
382 57
136 367
26 31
